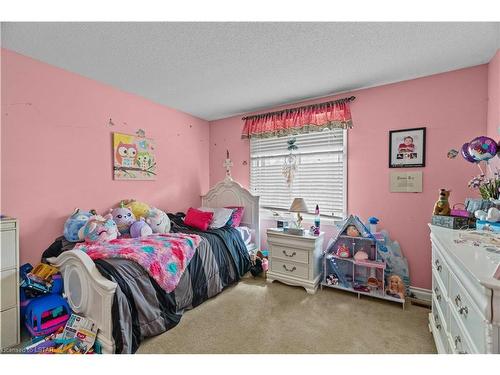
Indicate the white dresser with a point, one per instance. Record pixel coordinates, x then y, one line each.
9 284
295 260
465 314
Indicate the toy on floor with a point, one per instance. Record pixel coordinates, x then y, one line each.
332 279
140 229
75 222
139 209
395 287
99 228
41 280
442 206
45 315
123 218
158 221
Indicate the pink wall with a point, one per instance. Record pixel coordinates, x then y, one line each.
494 96
56 149
451 105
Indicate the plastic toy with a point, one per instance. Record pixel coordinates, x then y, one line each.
361 255
395 287
343 251
139 209
45 315
372 222
332 279
265 265
123 218
158 221
140 229
75 222
352 231
99 228
442 206
43 272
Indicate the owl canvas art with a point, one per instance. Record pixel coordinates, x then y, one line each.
134 157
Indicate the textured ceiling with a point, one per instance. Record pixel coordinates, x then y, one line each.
215 70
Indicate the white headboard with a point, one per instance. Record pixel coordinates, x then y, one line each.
230 193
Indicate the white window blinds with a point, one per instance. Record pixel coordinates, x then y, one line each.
320 177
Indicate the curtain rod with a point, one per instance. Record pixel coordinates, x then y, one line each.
343 100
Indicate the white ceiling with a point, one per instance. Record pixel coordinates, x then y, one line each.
216 70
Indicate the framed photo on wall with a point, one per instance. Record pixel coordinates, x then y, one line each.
407 148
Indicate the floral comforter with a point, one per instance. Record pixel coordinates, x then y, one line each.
163 256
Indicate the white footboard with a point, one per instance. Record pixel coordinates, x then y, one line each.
88 292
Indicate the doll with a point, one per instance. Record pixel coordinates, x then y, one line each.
352 231
442 206
396 287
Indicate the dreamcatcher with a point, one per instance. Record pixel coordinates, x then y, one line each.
290 165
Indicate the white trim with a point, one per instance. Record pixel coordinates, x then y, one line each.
421 294
344 163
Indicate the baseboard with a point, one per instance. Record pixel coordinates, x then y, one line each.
421 294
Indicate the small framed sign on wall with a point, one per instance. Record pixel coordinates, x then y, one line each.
407 148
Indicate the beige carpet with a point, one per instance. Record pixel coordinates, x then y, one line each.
257 317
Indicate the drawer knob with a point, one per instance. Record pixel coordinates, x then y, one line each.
438 296
288 255
438 265
458 340
289 270
463 310
458 300
436 320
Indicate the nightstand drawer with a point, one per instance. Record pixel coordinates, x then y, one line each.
8 255
8 289
9 327
292 269
290 254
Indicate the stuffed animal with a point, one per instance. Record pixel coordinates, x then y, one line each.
493 215
123 218
396 287
140 229
361 255
75 222
99 228
139 209
158 221
442 206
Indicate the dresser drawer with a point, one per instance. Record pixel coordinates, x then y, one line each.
292 269
459 342
8 257
467 313
8 289
290 254
440 296
440 324
441 268
9 328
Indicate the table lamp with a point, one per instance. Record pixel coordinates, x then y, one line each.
298 206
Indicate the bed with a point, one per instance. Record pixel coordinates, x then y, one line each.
92 288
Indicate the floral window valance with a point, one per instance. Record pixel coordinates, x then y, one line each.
328 115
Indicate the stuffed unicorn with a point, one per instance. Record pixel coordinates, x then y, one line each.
158 221
75 222
99 228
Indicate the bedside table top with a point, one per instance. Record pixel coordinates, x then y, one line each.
306 235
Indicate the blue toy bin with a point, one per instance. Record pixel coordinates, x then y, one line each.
44 315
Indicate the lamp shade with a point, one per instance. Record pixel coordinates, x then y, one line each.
298 205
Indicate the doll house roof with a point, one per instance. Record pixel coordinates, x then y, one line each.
356 221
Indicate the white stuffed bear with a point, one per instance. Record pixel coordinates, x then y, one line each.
158 221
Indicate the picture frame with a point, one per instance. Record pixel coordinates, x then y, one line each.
407 148
133 158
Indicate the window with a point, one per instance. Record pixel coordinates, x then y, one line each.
320 176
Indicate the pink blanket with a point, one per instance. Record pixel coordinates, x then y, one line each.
163 256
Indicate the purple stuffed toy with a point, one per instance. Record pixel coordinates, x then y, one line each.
123 218
140 229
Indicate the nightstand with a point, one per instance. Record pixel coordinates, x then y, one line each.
295 260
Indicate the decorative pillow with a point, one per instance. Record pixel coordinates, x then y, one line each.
198 219
237 215
221 216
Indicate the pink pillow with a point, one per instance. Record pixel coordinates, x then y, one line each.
237 215
198 219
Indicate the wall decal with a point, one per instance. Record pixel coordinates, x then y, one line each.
134 157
